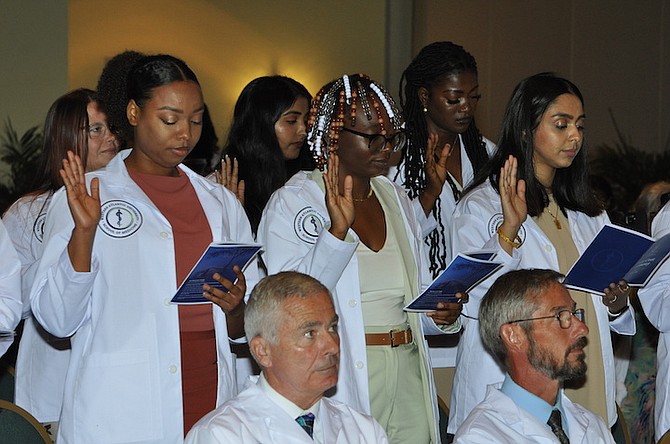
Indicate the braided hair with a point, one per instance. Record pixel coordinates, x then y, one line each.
430 67
342 98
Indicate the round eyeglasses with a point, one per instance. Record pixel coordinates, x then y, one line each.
378 142
564 317
97 131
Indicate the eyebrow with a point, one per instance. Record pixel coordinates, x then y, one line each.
335 319
455 90
179 110
291 112
568 116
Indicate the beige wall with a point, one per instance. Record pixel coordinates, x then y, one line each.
618 53
33 59
229 42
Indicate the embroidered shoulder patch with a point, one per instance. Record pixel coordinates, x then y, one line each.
38 227
307 224
497 220
120 218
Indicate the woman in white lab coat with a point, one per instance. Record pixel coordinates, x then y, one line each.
539 170
141 369
355 231
74 122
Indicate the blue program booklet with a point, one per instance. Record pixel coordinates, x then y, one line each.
462 274
617 253
217 258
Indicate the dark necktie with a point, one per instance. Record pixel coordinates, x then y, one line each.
556 425
307 423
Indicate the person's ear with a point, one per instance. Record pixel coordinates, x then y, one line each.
422 92
133 112
261 351
512 336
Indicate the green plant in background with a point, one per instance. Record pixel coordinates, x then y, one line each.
628 169
20 156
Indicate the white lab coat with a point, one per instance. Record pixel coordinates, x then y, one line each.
498 419
252 418
294 232
441 356
655 301
476 218
124 379
10 288
41 364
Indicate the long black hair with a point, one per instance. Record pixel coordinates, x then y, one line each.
430 67
571 187
253 142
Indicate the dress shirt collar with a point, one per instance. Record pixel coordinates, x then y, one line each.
534 405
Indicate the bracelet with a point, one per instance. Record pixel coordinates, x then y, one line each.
616 315
516 243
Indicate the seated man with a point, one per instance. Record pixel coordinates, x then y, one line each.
291 325
530 324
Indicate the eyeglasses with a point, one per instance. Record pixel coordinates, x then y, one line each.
377 142
97 131
564 317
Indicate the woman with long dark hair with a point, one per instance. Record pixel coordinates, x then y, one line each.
533 205
439 93
74 122
266 141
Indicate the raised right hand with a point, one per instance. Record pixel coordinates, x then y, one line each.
340 206
513 200
436 172
84 207
228 177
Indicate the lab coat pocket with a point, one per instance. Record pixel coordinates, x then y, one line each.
118 394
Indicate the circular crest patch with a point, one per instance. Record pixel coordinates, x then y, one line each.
497 220
38 227
307 224
120 218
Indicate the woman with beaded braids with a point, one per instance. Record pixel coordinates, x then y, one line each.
355 231
439 93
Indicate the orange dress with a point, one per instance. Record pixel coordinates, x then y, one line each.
177 201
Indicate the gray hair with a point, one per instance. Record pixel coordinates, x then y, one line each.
262 315
512 296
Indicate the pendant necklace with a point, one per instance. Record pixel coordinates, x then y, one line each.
555 216
370 193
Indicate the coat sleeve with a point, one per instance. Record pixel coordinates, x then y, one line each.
19 225
10 288
324 258
60 297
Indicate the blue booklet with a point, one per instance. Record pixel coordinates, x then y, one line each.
217 258
617 253
462 274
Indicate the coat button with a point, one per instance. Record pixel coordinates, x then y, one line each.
166 301
352 303
173 369
164 235
359 364
548 247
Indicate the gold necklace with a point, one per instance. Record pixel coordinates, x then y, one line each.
555 217
370 193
